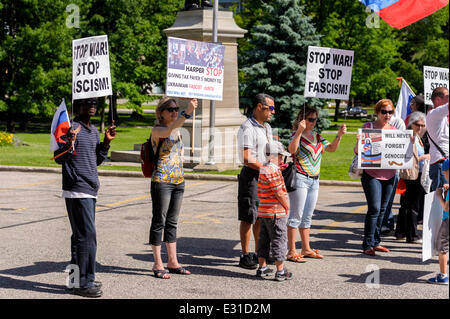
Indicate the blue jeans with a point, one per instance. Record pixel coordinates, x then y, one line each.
378 193
166 206
388 220
81 213
436 176
302 201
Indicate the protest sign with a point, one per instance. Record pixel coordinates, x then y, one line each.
328 73
432 219
195 69
91 76
433 77
385 149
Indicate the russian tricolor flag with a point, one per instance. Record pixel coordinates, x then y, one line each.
403 108
60 126
401 13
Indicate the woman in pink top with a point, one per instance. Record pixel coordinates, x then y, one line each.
378 184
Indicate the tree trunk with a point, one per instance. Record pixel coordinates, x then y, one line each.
10 123
336 110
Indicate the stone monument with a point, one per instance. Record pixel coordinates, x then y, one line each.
197 25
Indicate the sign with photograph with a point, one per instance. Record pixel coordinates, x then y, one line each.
195 69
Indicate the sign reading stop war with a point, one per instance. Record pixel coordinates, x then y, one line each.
433 77
195 69
385 149
328 73
91 75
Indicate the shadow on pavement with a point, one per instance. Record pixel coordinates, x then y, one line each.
392 277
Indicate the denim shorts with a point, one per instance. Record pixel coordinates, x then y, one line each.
302 201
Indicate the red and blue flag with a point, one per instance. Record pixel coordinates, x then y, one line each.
401 13
60 126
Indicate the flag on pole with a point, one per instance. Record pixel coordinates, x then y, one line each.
403 108
401 13
60 126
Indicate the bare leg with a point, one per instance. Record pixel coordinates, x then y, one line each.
292 251
158 264
245 232
443 258
304 234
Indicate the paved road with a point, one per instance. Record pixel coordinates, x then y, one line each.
34 241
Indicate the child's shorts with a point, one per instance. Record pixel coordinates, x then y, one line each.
273 238
442 238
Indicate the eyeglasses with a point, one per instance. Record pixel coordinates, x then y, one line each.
172 109
90 102
419 125
312 119
387 112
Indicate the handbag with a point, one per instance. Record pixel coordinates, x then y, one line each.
411 173
289 175
148 157
353 171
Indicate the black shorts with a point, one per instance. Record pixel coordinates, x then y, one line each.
248 195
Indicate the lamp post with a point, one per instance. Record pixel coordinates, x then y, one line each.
212 106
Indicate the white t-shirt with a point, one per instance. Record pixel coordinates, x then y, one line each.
437 127
254 136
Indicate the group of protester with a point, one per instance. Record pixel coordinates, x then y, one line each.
265 208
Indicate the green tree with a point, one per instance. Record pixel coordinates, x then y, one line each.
276 62
35 58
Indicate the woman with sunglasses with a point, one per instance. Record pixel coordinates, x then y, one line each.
378 184
307 147
167 186
415 194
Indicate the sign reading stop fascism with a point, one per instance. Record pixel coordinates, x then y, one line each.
195 69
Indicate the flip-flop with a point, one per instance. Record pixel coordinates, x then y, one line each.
296 258
160 274
179 271
314 254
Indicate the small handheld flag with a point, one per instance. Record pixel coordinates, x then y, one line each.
403 108
60 126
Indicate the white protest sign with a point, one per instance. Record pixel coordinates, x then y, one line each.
195 69
328 73
91 76
433 77
432 219
385 149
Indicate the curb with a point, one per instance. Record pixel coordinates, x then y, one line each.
193 176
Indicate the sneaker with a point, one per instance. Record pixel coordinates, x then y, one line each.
284 275
439 279
91 292
414 241
254 257
247 261
264 273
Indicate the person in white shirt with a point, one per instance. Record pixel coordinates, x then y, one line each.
437 128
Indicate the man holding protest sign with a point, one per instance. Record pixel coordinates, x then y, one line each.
438 134
81 155
79 158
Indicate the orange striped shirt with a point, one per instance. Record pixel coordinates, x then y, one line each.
270 181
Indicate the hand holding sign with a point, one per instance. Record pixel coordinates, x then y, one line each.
110 133
193 104
342 130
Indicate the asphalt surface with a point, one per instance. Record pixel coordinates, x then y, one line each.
35 245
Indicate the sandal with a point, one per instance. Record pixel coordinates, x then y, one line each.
297 258
161 274
314 254
179 271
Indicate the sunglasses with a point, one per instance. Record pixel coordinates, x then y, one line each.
312 119
270 107
90 102
172 109
386 112
419 125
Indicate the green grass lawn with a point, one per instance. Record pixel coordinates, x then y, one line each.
37 152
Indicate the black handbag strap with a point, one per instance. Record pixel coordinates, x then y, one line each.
439 149
156 155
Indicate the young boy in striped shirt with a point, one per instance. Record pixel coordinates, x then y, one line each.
272 212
